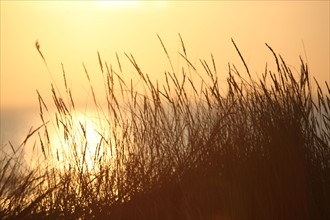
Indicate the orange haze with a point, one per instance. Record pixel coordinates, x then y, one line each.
72 33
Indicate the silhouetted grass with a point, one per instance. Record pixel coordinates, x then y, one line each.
181 150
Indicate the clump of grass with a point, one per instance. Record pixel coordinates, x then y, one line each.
182 151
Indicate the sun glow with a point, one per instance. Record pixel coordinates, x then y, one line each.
78 142
117 4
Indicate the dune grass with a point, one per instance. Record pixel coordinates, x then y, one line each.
181 150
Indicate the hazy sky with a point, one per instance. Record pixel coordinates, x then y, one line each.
73 32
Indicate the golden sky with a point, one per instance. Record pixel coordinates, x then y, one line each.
73 32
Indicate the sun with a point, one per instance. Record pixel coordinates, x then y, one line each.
117 4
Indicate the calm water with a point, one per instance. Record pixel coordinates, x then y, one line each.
16 123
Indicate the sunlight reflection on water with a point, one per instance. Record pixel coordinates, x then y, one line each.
77 139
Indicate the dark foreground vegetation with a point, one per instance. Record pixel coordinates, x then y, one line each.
186 149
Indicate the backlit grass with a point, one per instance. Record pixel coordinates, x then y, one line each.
184 149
